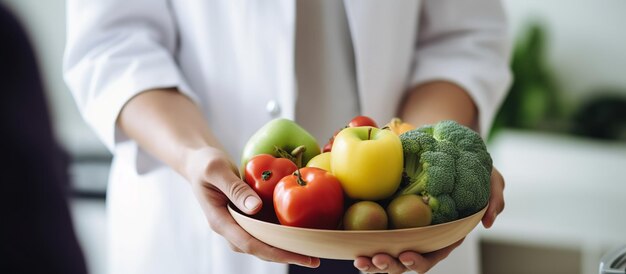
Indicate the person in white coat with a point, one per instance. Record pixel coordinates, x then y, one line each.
175 88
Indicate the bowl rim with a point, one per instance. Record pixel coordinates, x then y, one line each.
233 210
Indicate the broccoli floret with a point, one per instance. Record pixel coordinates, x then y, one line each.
448 164
464 138
433 166
443 207
471 193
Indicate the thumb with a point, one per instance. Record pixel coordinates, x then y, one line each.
240 193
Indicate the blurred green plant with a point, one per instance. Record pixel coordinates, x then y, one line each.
532 101
602 115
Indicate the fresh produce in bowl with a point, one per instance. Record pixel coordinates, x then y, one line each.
320 161
398 127
280 137
365 215
362 121
311 198
448 164
359 121
406 211
368 162
262 173
404 189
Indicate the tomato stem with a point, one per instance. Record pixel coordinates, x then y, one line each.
300 181
266 175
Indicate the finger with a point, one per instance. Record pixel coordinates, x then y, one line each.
421 263
220 175
234 248
496 201
388 264
213 203
223 223
384 264
363 264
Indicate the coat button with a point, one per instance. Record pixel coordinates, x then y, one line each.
272 108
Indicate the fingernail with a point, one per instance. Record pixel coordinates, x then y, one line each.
307 264
382 266
407 263
363 268
251 202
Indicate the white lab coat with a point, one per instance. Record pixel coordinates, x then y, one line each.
235 59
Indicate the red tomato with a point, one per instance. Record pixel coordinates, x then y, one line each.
311 198
263 173
328 146
358 121
362 121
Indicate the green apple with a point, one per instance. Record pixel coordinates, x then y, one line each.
368 162
283 134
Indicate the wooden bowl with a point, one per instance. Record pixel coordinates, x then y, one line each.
349 244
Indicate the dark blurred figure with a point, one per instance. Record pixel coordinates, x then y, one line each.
36 233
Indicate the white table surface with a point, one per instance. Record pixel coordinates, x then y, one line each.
561 191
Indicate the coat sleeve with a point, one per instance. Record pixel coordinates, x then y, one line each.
466 42
116 49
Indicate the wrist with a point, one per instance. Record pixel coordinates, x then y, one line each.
199 164
435 101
